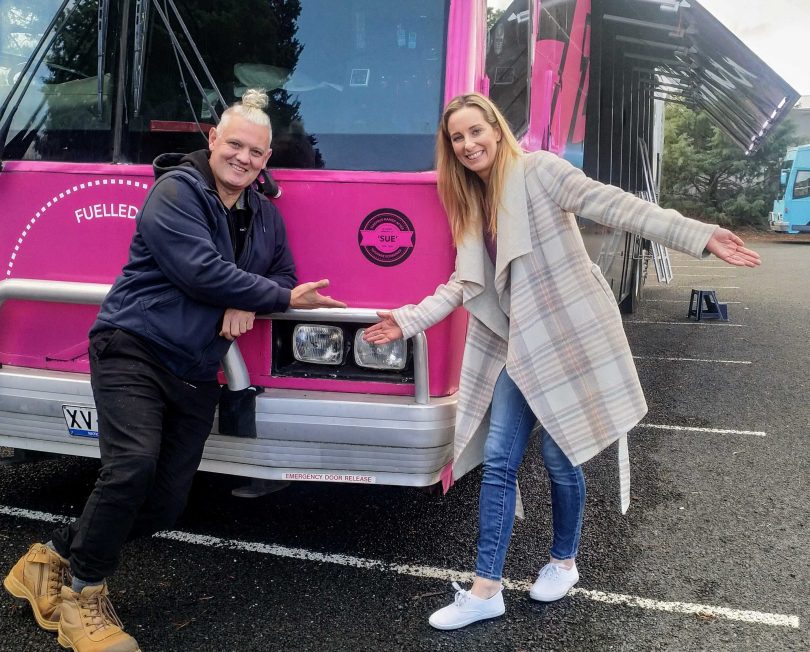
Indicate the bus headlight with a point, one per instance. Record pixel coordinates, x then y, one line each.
391 356
318 344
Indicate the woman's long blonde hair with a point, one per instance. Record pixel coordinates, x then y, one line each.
463 194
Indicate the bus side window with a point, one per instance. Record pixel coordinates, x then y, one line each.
507 61
801 187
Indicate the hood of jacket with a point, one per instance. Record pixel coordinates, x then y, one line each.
196 161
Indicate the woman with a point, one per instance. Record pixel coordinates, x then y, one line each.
545 339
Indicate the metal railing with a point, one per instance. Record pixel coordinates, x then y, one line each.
233 364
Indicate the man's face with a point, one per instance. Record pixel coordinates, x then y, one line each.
238 154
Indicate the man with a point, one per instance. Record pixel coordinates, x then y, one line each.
208 253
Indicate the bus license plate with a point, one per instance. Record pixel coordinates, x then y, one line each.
81 420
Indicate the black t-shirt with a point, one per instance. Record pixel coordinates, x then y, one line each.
239 220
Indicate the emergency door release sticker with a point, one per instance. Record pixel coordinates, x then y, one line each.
386 237
354 478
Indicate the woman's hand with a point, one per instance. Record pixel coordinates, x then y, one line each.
729 248
384 331
235 323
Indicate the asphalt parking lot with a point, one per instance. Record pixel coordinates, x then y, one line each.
712 555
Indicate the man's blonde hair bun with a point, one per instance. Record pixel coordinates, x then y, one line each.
251 108
255 98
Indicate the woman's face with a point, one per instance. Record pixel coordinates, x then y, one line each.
474 140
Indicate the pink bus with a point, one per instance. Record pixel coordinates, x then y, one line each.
91 91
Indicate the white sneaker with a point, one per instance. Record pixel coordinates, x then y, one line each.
553 582
467 609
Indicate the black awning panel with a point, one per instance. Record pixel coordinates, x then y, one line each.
694 59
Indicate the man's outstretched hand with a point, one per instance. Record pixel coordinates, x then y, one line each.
307 296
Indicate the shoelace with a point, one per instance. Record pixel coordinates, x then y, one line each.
58 574
101 612
551 571
462 596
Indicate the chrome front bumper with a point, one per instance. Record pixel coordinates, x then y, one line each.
315 435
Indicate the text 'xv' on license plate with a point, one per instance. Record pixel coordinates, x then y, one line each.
81 420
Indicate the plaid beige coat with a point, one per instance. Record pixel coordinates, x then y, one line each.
546 312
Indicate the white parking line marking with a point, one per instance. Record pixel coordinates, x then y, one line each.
660 357
677 301
684 323
34 515
717 431
761 617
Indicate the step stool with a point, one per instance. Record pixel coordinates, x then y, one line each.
703 304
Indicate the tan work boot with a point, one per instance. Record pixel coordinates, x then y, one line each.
89 622
38 577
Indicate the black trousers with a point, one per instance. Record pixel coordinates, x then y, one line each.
152 430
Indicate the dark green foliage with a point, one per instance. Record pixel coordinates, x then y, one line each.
707 175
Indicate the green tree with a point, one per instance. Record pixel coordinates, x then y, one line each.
707 175
492 16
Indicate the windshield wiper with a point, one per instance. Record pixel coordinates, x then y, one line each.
141 21
103 19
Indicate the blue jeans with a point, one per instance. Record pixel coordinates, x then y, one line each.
511 422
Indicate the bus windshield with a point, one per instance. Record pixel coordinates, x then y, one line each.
357 89
57 62
22 25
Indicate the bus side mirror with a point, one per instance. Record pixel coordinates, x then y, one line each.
783 178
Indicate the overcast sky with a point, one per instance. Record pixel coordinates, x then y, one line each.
776 30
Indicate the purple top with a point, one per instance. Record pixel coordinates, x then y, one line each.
491 244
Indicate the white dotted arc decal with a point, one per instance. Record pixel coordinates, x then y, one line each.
55 200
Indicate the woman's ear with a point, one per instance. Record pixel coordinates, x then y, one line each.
498 134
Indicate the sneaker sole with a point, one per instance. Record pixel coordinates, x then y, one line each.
64 641
550 598
18 590
467 622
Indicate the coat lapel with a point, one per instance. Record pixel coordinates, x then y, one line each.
474 269
514 233
470 266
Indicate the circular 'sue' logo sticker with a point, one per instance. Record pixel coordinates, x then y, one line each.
386 237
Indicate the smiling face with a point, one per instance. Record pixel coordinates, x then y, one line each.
238 153
475 141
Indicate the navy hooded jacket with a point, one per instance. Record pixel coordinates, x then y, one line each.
182 274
